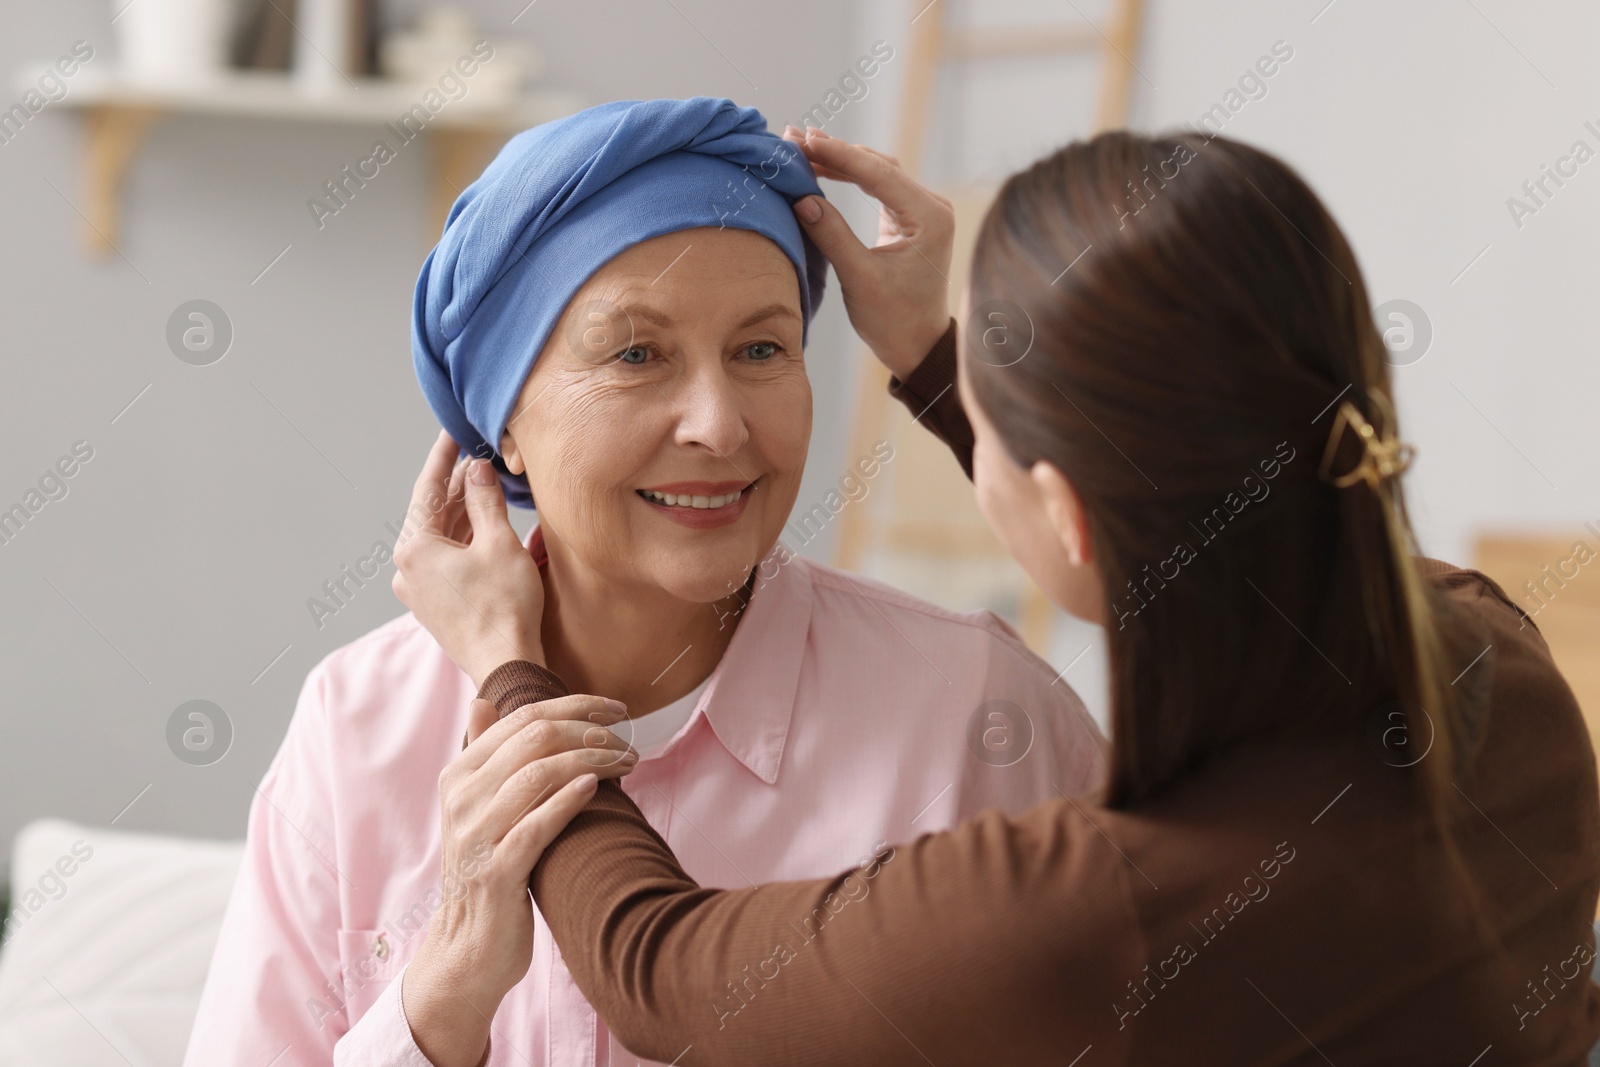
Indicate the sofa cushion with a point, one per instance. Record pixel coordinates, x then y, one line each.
107 943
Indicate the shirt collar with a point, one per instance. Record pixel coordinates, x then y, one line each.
750 696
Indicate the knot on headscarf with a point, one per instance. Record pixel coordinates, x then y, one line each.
558 202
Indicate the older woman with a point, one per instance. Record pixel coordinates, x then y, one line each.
615 318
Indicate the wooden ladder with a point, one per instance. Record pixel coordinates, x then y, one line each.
934 45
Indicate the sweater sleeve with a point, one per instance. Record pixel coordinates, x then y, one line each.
861 967
518 682
855 967
930 394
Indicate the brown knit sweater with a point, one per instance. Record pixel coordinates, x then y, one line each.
1281 906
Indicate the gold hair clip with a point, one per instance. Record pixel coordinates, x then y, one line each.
1382 457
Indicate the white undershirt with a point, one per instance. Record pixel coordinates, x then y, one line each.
652 730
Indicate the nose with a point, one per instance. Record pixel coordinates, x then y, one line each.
711 414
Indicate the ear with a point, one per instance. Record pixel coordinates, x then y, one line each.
509 453
1065 510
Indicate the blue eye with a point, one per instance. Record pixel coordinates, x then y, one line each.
640 351
772 350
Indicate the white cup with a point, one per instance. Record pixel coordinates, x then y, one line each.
172 40
322 45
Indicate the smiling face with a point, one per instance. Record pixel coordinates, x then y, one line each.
664 427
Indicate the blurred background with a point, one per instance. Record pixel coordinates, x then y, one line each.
209 269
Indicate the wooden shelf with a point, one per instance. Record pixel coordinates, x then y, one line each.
119 113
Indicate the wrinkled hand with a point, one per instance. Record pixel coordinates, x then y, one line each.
515 786
897 292
461 569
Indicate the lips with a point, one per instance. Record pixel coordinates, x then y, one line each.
699 505
699 495
687 500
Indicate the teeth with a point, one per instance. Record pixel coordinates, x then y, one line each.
683 500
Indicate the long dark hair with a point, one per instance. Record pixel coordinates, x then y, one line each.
1186 322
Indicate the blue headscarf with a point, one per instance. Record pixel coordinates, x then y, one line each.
557 203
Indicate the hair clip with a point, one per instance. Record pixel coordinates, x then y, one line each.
1382 457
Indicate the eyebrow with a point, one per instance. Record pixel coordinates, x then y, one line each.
759 315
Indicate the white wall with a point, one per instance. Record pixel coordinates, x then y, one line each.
1416 122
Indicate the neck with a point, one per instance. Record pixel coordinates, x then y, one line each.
636 643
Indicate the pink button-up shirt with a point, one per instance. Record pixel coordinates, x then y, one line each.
844 714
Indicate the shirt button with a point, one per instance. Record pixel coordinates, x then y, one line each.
380 947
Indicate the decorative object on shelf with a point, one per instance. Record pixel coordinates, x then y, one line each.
331 42
173 41
265 39
442 36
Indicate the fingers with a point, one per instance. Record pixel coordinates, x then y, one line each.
453 521
828 172
910 213
535 784
798 138
480 718
820 168
520 754
458 476
525 842
577 707
837 241
880 176
486 507
432 485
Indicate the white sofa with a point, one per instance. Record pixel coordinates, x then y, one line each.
108 940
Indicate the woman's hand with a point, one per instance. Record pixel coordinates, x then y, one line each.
897 292
515 786
461 569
